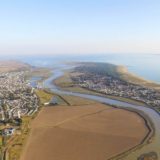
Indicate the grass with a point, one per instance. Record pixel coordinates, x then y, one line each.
15 144
70 86
128 100
43 96
1 141
64 81
15 147
39 72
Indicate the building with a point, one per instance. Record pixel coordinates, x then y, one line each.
54 101
8 131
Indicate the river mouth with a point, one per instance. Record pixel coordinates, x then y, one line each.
148 113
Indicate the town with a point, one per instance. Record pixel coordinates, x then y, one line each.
17 97
110 85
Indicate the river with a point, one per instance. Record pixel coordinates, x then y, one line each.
154 116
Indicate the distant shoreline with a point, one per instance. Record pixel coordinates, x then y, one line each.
122 72
134 78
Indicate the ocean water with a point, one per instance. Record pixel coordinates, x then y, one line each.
144 65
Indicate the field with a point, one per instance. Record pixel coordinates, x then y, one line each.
39 72
9 66
14 145
87 132
44 96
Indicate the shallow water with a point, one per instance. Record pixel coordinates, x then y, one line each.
34 80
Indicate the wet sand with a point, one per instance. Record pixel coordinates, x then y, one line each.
87 132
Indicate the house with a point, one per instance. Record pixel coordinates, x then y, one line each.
54 101
8 131
46 103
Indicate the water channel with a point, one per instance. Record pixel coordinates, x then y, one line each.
153 146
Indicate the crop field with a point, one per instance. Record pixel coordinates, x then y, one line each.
93 131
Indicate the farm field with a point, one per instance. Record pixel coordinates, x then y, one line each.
93 131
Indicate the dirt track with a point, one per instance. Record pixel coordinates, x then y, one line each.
91 132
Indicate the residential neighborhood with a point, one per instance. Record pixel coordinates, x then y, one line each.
17 97
110 85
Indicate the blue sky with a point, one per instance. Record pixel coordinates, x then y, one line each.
86 26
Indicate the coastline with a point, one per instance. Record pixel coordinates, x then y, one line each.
121 72
131 77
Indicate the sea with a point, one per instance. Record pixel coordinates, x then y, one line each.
146 66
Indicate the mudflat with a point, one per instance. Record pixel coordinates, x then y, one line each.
89 132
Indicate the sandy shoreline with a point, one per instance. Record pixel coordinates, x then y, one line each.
122 72
134 78
83 132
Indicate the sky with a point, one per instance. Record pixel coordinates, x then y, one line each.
84 26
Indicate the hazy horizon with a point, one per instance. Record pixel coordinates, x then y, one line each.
12 56
71 27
